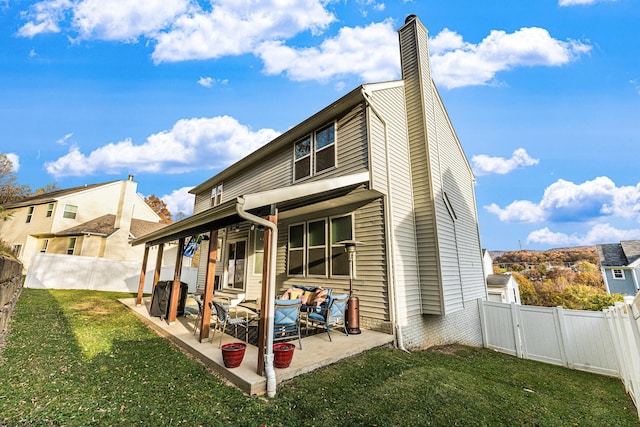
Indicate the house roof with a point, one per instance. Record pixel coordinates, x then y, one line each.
105 226
498 280
50 197
621 254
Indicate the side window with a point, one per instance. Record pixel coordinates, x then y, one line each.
44 245
71 247
295 265
49 210
216 195
325 148
317 248
258 251
70 211
341 229
29 213
302 159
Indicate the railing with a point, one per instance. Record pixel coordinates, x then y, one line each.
606 342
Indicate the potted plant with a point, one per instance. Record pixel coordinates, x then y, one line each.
233 353
282 354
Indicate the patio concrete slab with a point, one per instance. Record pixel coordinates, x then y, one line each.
317 351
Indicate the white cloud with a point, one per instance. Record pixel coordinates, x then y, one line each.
192 144
15 161
599 233
456 63
580 2
636 85
485 165
179 200
44 17
235 27
370 52
64 139
210 81
565 201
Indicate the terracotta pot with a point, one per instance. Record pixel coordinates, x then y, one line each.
233 353
282 354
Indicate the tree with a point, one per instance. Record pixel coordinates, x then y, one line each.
159 207
49 188
10 190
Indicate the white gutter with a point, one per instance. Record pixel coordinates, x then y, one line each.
271 291
397 328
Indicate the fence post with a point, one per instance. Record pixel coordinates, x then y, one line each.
521 349
563 337
634 354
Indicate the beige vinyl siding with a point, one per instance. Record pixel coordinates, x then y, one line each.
416 101
370 283
458 184
389 102
277 172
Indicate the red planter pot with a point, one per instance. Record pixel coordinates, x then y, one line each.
282 354
233 353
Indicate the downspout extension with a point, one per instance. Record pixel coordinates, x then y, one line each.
397 329
271 295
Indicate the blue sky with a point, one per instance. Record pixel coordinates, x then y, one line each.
544 96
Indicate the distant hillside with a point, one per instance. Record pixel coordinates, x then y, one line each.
556 256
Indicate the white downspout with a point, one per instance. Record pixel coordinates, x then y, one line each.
271 294
397 328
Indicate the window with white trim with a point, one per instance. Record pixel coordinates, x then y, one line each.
71 246
216 195
618 274
49 210
44 245
16 249
258 251
315 153
70 211
309 253
30 213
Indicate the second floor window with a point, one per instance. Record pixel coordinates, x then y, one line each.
216 195
315 153
29 213
49 210
70 211
618 274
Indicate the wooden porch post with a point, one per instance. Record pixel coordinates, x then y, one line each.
266 272
156 271
175 290
143 274
208 285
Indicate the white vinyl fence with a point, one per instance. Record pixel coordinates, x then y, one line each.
606 342
55 271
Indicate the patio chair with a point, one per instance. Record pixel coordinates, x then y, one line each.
332 315
223 318
286 320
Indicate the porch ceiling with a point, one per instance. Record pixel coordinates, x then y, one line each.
292 197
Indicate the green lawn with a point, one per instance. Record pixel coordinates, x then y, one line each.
79 358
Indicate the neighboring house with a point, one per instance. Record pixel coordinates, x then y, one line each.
96 220
503 288
620 265
382 166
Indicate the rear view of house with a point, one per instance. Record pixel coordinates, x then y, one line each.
381 166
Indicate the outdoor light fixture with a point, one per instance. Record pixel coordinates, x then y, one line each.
353 306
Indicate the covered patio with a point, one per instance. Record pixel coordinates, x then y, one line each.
317 351
261 211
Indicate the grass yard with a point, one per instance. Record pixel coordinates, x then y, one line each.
79 358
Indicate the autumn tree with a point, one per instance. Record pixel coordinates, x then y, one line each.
160 207
10 190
